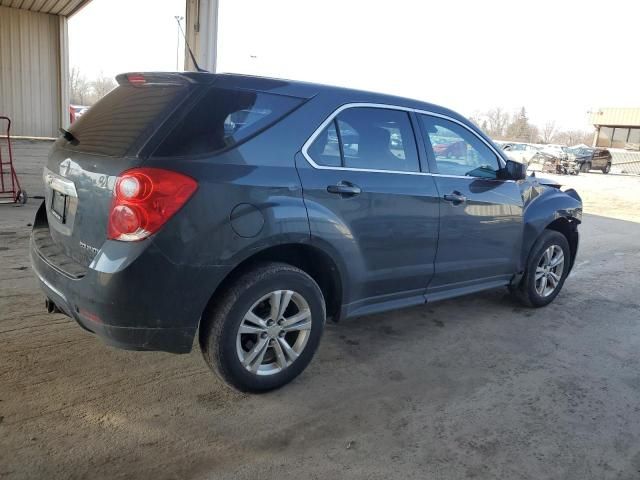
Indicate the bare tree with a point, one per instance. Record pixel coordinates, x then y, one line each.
519 128
497 120
101 86
548 132
575 137
476 118
79 87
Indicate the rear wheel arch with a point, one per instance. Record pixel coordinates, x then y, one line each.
316 263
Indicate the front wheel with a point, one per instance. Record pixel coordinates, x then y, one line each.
585 167
547 269
264 329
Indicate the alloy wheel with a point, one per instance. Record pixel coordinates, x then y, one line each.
274 332
549 270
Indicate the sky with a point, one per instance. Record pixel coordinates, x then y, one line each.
558 58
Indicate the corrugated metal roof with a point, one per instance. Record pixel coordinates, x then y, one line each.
623 117
55 7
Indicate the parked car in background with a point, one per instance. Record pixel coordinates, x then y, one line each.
552 163
520 152
77 111
591 158
453 149
227 209
558 151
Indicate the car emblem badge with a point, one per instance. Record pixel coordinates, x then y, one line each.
65 166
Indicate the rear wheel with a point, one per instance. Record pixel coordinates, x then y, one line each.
547 269
265 328
606 169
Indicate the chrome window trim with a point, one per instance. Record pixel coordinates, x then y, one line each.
385 106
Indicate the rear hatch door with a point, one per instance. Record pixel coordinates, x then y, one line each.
110 138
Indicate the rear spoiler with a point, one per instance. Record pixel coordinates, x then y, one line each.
165 78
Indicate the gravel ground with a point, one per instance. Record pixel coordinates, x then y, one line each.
477 387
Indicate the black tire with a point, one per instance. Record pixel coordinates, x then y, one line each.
21 197
606 169
585 167
526 291
221 323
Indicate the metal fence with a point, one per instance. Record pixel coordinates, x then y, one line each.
624 161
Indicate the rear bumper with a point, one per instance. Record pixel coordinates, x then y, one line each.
149 304
174 340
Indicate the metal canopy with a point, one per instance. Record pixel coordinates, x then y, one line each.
64 8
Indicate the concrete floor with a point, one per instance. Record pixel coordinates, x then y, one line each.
478 387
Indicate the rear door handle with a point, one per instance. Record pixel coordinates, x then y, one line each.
455 197
346 189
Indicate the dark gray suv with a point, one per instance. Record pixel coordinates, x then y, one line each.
247 210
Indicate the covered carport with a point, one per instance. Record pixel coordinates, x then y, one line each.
34 59
34 65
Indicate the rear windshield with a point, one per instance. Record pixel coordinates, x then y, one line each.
222 119
127 114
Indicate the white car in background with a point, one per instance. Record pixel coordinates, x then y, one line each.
520 152
558 151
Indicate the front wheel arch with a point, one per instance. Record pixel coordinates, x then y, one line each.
526 288
569 229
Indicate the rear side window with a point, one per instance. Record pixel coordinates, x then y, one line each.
121 118
222 119
368 138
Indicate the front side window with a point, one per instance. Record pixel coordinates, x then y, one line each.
457 151
368 138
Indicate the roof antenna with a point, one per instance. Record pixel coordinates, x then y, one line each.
193 58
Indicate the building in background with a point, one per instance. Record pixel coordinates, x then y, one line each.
34 59
618 129
34 64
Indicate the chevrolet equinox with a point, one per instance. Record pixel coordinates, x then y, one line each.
245 211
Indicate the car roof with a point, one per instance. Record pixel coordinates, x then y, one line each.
308 90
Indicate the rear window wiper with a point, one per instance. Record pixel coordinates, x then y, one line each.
68 136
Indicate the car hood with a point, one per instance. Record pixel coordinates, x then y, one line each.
547 182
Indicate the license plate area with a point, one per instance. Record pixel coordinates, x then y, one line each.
59 205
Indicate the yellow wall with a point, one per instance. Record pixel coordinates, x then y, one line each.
624 117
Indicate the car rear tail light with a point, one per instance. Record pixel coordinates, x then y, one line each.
144 199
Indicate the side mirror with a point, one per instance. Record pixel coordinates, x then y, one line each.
515 170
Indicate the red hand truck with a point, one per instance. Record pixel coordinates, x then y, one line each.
10 191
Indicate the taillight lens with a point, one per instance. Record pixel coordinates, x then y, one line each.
136 79
144 199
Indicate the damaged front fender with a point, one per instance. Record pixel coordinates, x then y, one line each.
547 206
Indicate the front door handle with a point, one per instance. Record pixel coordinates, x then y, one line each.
455 197
346 189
